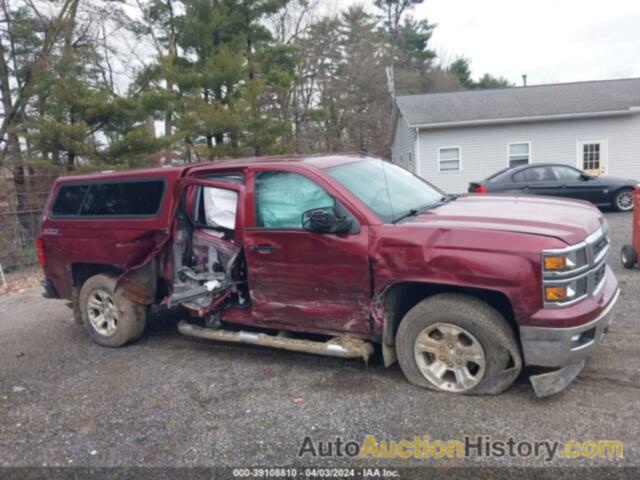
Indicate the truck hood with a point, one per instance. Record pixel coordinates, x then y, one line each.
568 220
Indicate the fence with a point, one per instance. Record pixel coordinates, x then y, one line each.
22 198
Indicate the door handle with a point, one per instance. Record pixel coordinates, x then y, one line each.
263 249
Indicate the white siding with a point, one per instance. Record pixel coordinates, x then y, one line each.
485 149
403 147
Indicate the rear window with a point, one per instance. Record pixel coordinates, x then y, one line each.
110 199
69 200
498 176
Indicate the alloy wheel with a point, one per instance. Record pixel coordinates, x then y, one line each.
102 312
449 357
624 201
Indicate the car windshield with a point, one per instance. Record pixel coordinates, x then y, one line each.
390 191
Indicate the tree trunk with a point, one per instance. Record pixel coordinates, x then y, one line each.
151 126
12 147
168 120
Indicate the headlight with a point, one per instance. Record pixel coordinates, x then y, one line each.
575 272
558 294
565 261
561 292
556 262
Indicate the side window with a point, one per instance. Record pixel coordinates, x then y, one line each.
227 177
538 174
567 173
123 199
137 198
69 199
282 197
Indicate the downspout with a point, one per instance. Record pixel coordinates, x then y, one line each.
417 153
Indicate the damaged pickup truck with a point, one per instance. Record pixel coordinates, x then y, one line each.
337 255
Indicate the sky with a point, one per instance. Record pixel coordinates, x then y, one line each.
549 40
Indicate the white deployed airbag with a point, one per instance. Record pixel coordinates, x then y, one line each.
220 207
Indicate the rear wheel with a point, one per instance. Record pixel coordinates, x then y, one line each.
108 317
453 342
623 200
628 256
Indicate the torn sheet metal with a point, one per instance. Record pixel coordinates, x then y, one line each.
140 285
550 383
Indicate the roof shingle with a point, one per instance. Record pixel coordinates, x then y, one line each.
520 102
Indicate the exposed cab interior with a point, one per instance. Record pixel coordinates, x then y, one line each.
207 263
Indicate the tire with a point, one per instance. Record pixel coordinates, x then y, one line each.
122 319
475 321
628 256
623 200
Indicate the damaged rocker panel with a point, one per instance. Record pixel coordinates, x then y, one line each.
343 347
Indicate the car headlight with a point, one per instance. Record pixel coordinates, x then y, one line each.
575 272
560 292
565 261
557 262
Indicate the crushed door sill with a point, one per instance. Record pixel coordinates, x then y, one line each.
343 347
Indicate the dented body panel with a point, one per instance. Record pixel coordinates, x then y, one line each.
461 257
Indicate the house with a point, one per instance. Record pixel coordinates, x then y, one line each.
453 138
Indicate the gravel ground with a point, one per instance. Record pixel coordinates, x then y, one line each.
173 400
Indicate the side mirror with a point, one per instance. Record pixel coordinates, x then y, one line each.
325 220
585 178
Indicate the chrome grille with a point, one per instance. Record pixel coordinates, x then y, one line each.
598 275
597 245
600 245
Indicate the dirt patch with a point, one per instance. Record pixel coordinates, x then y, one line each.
16 282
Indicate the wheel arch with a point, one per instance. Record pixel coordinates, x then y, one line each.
399 298
141 285
80 272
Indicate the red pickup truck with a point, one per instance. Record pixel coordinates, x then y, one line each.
335 255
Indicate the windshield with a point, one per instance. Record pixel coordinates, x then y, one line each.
390 191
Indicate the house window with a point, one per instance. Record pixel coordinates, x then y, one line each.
519 154
591 156
449 159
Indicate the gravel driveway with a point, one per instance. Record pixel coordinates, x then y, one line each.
173 400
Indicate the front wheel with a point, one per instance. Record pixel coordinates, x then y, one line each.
623 200
453 343
110 319
628 256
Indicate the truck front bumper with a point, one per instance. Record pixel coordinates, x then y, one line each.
563 348
559 347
